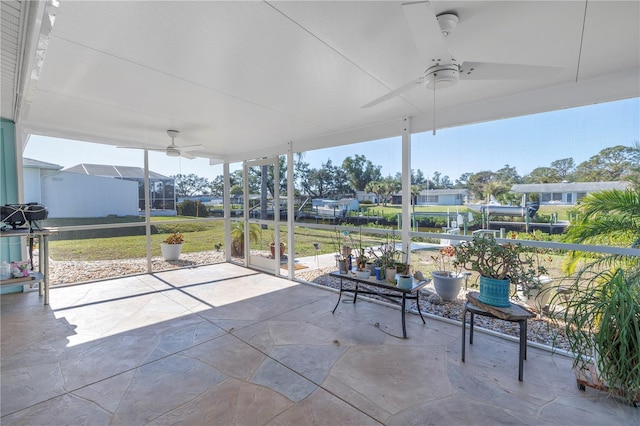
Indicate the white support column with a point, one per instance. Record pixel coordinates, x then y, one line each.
147 211
406 185
245 213
276 212
290 210
226 205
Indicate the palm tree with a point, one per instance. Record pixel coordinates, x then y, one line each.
606 218
602 312
237 237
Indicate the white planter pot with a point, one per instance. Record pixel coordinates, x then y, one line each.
364 274
171 251
538 297
447 286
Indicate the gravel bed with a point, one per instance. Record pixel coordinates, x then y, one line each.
540 330
68 272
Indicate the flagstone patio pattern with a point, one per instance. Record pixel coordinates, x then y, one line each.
221 344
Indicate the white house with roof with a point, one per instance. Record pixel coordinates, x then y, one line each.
437 197
90 190
566 193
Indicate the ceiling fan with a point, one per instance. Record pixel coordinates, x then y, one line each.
443 70
172 150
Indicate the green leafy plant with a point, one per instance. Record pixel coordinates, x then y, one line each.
237 237
387 255
175 238
492 259
359 252
602 318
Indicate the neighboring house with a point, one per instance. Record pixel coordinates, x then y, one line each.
366 196
67 194
33 173
566 193
437 197
334 207
161 188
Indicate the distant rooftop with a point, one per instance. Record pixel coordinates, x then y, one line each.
31 163
123 172
570 186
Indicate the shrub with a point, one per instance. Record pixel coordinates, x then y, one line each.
192 208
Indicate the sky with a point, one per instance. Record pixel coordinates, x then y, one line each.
523 142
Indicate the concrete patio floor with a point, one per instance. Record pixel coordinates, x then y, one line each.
221 344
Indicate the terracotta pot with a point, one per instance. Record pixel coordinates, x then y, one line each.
272 247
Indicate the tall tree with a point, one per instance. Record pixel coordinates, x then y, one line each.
436 180
417 178
507 175
390 186
360 171
542 175
477 182
301 172
463 180
564 168
376 187
613 163
190 185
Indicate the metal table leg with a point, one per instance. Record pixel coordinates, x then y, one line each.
464 328
404 328
339 297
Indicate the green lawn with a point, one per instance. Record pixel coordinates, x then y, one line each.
201 236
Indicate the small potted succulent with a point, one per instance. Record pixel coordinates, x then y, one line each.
171 247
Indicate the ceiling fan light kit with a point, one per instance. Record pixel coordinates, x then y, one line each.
448 22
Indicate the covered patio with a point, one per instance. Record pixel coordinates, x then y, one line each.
221 344
247 82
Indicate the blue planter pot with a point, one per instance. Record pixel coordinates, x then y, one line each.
494 292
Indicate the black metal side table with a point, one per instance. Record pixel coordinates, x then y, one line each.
513 313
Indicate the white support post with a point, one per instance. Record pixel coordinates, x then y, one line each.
147 210
226 205
290 211
276 213
406 186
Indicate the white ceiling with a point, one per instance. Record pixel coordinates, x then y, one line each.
245 78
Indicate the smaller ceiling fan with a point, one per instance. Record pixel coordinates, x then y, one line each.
172 150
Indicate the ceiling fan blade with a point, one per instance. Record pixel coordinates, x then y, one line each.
417 82
427 33
188 147
142 147
493 71
187 155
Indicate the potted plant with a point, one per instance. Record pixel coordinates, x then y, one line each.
447 283
602 313
343 256
360 256
237 237
272 248
602 326
498 265
388 257
171 247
